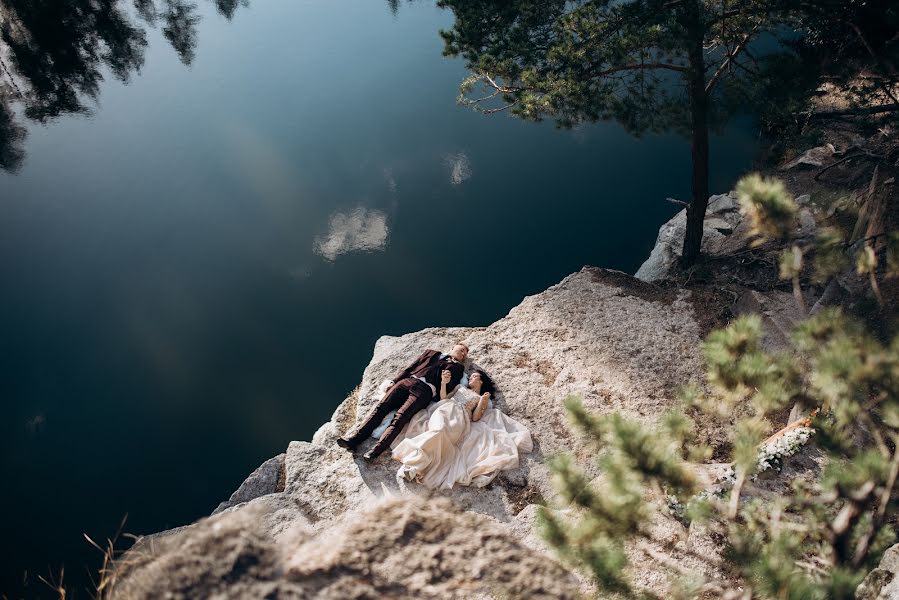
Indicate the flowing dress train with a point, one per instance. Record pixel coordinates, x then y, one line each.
430 445
493 444
442 446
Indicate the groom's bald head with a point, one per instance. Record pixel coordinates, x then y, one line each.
459 351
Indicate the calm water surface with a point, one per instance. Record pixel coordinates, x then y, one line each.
195 274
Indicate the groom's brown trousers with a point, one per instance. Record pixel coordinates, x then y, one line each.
406 397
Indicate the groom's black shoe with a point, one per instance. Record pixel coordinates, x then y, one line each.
346 444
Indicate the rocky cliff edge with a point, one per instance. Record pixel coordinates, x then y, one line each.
317 522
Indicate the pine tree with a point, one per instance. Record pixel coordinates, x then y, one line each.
815 541
652 65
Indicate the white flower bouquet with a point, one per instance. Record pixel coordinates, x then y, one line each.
771 455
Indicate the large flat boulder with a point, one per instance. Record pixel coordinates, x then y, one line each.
619 343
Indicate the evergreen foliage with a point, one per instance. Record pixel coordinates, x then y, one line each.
54 55
815 541
651 65
770 208
830 255
772 215
676 65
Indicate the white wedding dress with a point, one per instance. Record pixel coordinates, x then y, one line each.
441 446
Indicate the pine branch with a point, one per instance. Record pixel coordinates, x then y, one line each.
490 111
730 57
641 67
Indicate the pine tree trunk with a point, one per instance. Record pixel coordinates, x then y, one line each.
699 146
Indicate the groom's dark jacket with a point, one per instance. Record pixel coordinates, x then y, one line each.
429 365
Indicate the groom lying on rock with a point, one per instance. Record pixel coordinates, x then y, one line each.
413 389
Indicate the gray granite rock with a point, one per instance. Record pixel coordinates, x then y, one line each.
268 478
813 157
723 233
723 203
720 225
807 224
882 583
619 343
778 311
394 548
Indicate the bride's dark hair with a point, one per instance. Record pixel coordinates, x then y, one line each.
487 384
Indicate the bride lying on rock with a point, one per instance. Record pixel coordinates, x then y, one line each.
461 439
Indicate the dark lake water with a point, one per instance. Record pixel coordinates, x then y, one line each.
195 273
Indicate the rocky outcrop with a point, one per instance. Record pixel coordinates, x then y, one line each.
882 583
815 157
395 548
724 232
779 313
619 343
268 478
726 246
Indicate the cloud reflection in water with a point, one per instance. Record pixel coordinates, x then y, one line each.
459 166
360 230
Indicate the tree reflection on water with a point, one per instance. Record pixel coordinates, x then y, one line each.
53 54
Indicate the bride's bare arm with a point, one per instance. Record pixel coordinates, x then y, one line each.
481 408
444 380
